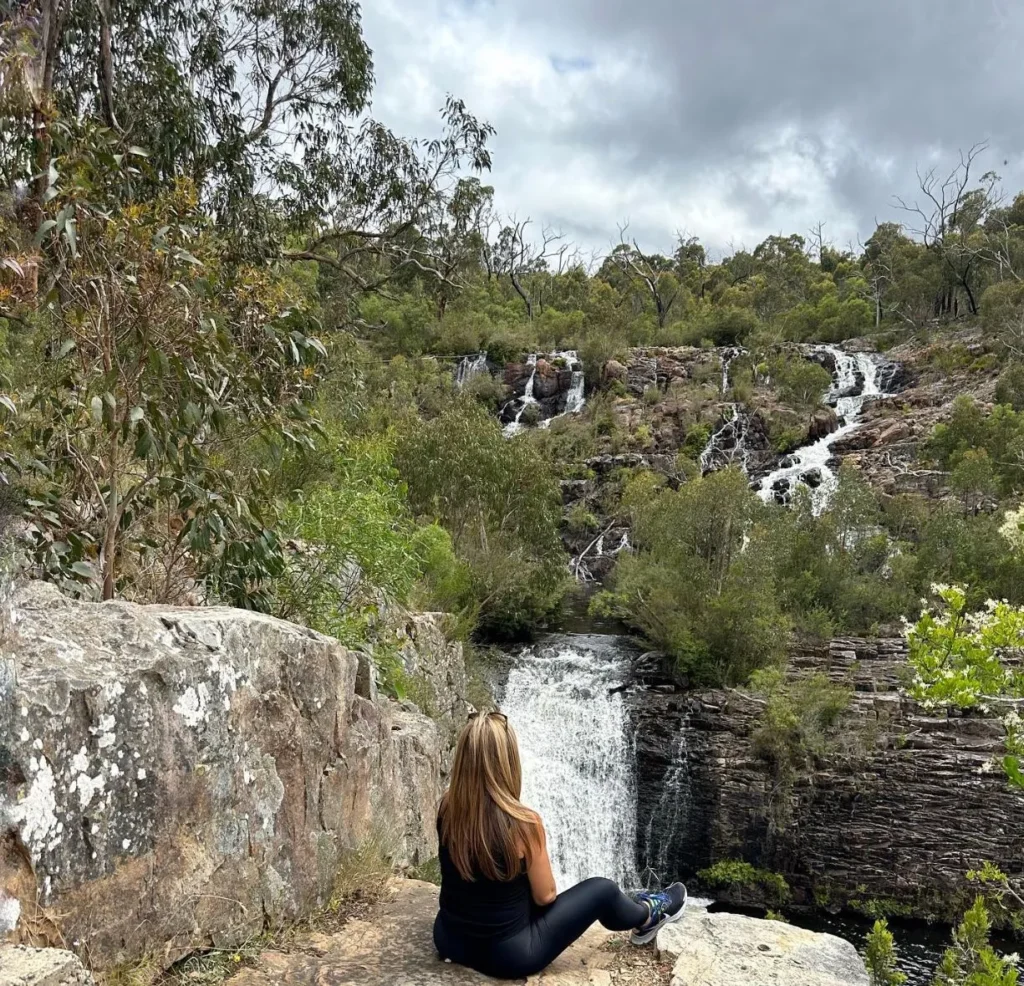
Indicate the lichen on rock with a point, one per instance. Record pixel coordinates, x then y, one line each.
209 766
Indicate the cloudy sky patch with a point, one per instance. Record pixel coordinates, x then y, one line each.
728 120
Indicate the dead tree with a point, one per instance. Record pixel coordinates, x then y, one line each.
950 211
648 270
516 256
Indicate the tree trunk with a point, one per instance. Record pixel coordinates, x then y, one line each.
522 294
106 66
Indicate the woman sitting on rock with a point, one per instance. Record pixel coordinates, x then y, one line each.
500 911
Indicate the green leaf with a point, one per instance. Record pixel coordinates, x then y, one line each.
69 344
136 415
97 409
84 569
138 151
6 402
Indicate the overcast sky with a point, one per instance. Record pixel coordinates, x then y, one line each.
727 119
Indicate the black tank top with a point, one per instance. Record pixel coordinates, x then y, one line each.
481 909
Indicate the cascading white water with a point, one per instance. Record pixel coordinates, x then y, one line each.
670 818
574 399
727 446
469 367
577 755
514 426
856 379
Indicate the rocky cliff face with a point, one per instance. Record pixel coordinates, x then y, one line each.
909 805
177 778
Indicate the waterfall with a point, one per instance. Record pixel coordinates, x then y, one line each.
574 399
727 357
469 367
855 380
727 446
514 427
577 754
670 818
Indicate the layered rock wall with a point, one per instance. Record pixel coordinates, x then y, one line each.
178 778
909 802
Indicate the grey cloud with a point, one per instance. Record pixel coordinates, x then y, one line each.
688 92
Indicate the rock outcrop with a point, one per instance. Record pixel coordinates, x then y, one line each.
729 949
180 778
394 944
904 806
22 966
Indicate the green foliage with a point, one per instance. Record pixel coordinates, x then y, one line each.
734 873
1010 387
1002 899
800 383
971 961
799 723
501 505
960 660
957 656
700 586
357 546
123 434
880 956
971 432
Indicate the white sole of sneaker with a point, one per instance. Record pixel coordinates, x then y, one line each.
647 936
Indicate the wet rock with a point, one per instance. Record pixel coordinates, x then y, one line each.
210 766
823 423
824 359
546 380
812 478
517 376
728 949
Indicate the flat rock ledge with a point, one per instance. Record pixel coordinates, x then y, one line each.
393 944
728 949
23 966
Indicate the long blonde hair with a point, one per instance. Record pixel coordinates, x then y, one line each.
483 823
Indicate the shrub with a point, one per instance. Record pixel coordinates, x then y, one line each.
1010 387
736 873
501 505
700 585
880 956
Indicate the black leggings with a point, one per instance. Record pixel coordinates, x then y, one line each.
551 931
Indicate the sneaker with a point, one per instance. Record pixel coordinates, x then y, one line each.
666 906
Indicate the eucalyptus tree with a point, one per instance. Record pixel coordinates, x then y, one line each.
260 104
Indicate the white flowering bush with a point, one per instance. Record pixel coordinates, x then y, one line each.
965 660
1013 529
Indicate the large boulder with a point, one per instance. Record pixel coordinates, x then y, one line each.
824 421
179 778
728 949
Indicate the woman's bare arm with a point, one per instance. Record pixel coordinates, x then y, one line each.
542 880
